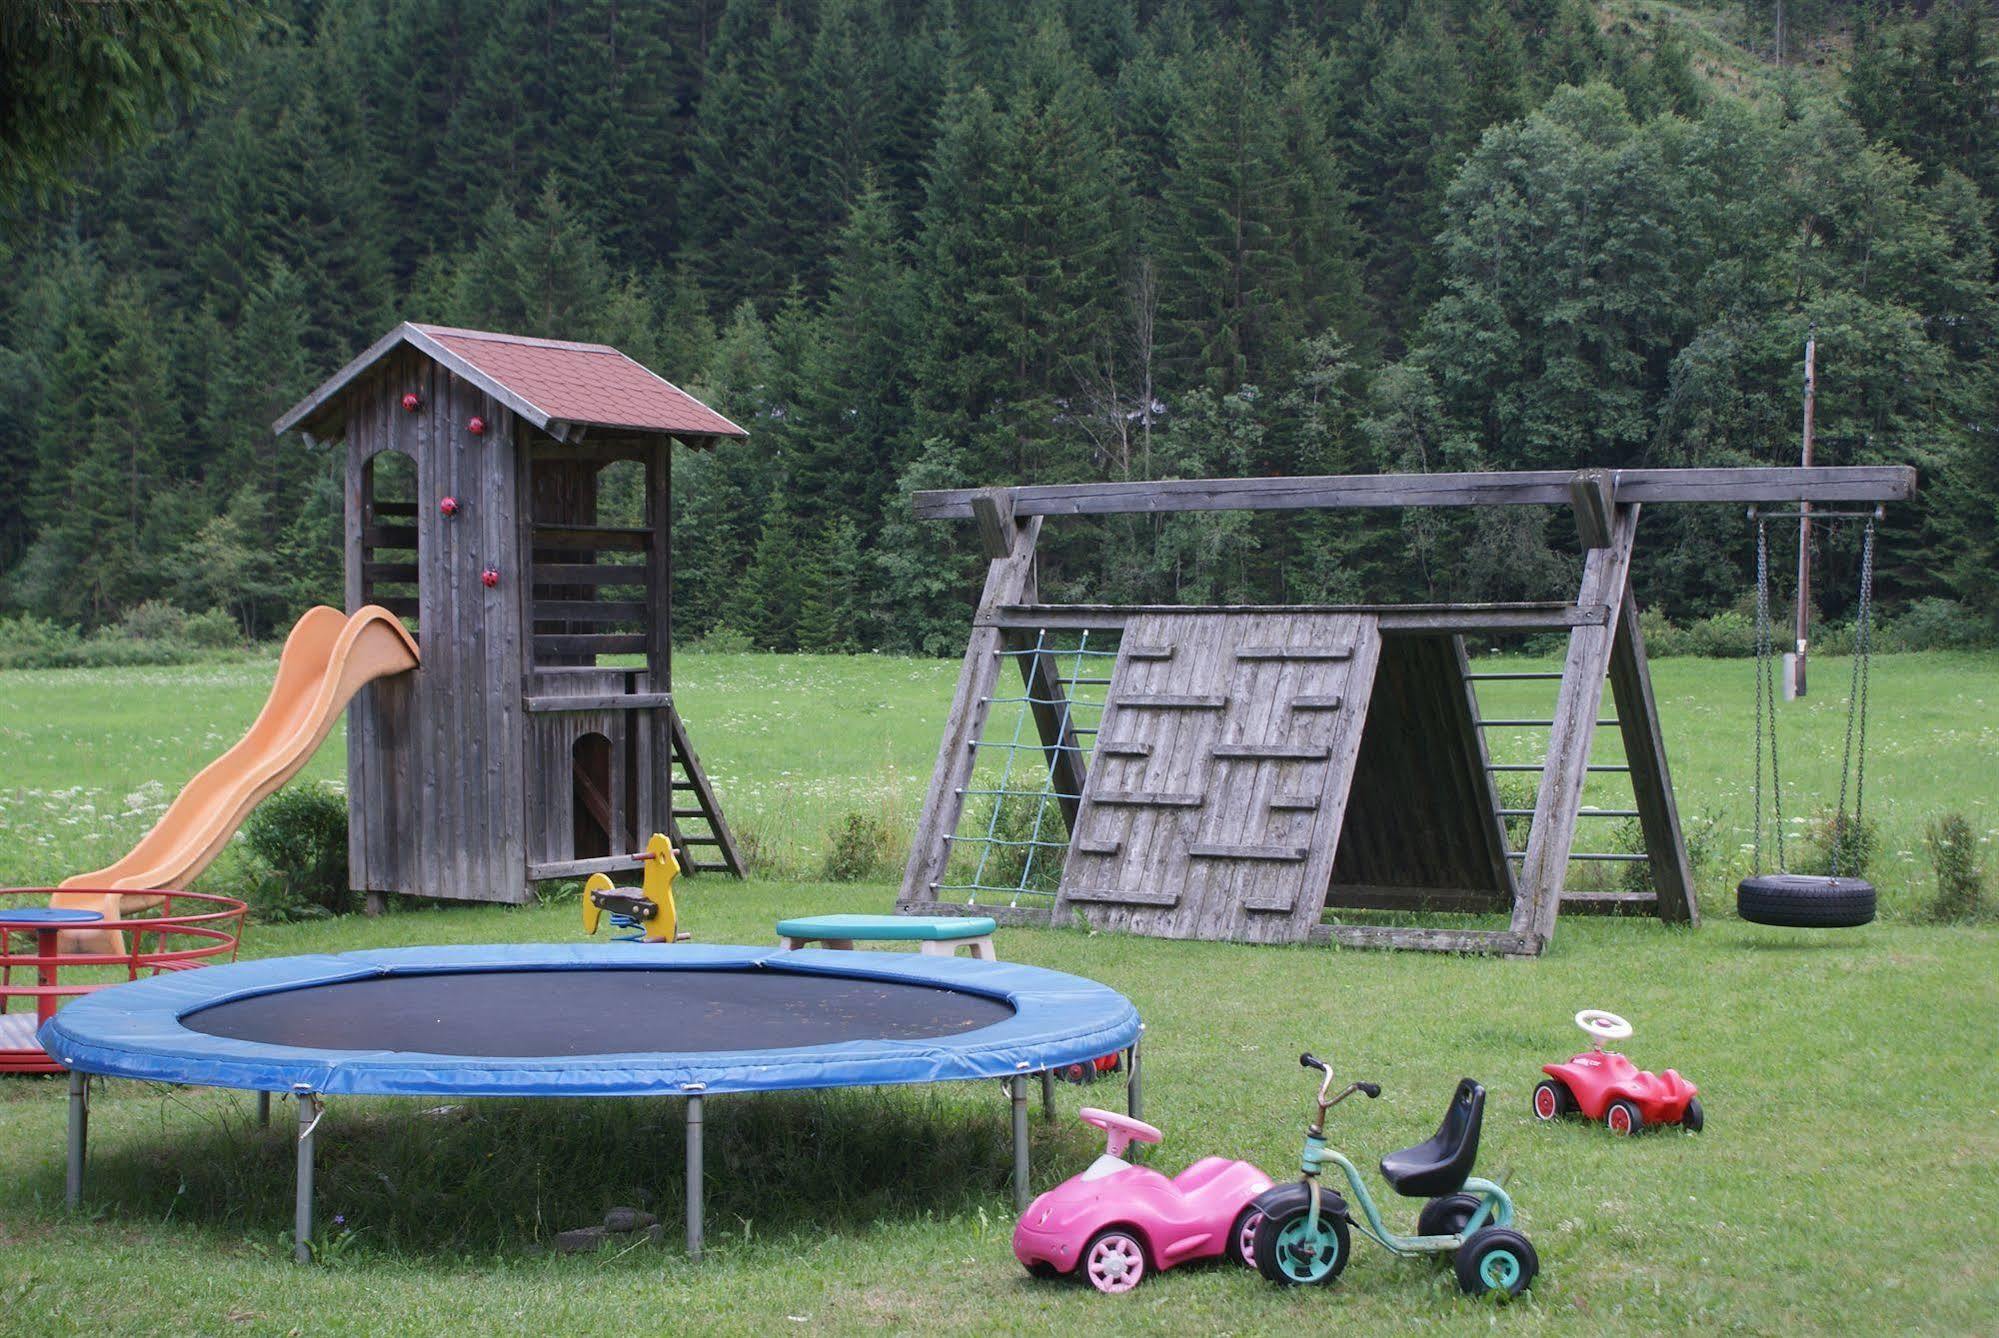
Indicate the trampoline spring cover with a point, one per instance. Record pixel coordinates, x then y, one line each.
142 1029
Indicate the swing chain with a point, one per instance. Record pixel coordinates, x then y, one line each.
1856 707
1766 702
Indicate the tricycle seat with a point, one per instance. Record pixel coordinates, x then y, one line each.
1441 1164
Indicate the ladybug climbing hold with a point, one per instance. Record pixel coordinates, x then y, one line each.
489 577
476 425
412 401
448 505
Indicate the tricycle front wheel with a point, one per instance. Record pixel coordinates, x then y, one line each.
1292 1250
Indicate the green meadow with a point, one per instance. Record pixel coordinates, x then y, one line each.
1851 1150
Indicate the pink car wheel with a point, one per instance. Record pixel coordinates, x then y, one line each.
1242 1241
1114 1262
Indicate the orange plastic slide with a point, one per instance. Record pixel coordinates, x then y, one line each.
327 659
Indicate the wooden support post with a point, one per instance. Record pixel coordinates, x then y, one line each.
1606 573
1651 780
1009 548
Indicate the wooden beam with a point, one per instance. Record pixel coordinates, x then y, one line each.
1544 487
591 643
1593 494
1542 616
1606 579
591 536
625 701
1651 779
1490 942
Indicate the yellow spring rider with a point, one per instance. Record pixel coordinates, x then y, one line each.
649 909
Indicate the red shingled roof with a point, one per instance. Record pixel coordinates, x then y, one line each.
583 383
551 383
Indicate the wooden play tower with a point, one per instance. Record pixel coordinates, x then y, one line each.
1239 772
508 499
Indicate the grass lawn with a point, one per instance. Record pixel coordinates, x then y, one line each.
1851 1148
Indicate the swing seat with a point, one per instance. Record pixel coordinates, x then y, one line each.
1805 901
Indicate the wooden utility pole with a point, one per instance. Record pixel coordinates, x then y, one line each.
1805 516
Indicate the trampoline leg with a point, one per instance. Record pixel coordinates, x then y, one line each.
79 1138
694 1177
1018 1090
1048 1094
263 1110
1134 1097
309 1110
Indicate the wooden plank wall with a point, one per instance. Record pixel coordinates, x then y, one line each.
1221 775
1422 816
439 786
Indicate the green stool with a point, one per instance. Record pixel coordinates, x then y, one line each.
937 937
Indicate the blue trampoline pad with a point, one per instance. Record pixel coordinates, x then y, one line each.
590 1019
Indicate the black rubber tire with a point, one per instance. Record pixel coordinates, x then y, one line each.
1635 1121
1565 1100
1041 1268
1243 1220
1273 1226
1446 1214
1805 901
1693 1119
1472 1255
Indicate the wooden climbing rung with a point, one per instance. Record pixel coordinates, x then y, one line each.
1295 803
1332 703
1172 702
1273 854
1148 652
1270 752
1294 653
1099 847
1269 902
1149 799
1124 750
1121 896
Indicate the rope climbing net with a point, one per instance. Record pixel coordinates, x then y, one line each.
1014 834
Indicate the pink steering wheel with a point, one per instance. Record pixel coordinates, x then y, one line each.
1121 1131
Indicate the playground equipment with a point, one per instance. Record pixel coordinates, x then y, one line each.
1306 1231
1603 1085
650 910
181 930
527 747
1252 767
1116 1223
327 659
1796 900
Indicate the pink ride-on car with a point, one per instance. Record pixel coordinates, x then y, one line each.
1117 1222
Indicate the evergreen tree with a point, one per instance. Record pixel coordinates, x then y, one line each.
774 586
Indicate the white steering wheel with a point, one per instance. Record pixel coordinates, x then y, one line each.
1602 1026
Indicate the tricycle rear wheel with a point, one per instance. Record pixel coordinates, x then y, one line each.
1497 1259
1446 1215
1290 1251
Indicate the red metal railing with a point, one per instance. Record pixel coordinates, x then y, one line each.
187 929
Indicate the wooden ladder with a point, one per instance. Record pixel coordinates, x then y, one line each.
710 848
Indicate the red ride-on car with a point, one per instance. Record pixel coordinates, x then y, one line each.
1603 1085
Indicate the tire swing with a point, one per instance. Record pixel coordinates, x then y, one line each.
1800 900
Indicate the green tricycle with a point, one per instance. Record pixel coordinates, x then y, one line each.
1304 1234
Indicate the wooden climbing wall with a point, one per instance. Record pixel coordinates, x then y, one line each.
1221 773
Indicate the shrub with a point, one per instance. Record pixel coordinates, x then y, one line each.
859 847
28 642
1031 868
724 640
1937 624
1843 844
215 629
1730 634
299 836
1960 892
154 620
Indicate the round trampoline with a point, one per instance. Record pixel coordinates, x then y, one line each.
587 1020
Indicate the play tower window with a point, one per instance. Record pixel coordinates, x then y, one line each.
389 543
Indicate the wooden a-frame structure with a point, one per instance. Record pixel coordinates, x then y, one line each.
1255 765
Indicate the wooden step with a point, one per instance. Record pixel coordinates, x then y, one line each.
1170 702
1332 703
1150 799
1294 653
1275 854
1270 752
1122 897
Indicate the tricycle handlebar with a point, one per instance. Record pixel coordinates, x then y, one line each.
1311 1061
